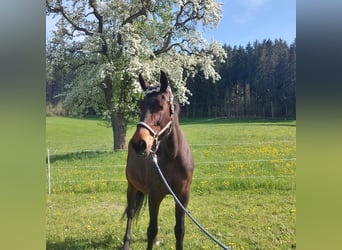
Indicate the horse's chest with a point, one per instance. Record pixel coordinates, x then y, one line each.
143 176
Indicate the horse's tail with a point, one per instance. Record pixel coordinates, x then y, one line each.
140 202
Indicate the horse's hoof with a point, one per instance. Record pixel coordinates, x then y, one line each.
156 242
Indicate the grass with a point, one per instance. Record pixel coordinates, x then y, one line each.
243 188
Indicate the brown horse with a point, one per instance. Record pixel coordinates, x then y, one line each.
158 132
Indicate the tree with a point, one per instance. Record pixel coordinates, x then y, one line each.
109 42
256 81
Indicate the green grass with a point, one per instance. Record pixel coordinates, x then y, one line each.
66 135
243 187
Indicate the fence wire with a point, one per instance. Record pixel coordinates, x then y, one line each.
58 180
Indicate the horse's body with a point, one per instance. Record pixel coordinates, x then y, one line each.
158 132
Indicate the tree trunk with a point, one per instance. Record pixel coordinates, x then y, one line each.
247 99
119 123
119 127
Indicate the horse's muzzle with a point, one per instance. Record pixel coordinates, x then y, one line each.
142 142
139 147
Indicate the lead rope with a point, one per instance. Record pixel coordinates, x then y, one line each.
154 157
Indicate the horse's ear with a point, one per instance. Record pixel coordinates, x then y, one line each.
142 82
163 81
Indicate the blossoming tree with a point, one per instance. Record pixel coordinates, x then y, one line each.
108 43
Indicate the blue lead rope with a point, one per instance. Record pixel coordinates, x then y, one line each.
154 157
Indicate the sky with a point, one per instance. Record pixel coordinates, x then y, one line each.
246 21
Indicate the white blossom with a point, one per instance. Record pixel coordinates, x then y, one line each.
141 39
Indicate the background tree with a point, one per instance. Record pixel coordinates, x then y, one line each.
107 43
257 81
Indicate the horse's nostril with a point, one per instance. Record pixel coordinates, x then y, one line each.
140 146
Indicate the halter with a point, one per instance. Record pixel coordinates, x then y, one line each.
156 136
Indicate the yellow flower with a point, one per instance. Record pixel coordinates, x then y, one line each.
231 244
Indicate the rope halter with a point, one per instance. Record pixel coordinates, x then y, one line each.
157 135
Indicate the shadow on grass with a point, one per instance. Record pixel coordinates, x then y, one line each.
108 242
83 155
241 122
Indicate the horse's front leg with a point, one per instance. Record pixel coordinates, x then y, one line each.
130 211
127 237
152 230
180 228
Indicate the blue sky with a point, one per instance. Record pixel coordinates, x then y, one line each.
246 21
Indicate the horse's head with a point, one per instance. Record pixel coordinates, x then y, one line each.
156 113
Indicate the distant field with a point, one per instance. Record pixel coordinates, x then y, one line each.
243 187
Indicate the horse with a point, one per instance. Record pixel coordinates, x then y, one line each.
159 133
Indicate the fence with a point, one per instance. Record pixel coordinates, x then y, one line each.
250 173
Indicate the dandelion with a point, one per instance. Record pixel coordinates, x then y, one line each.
231 244
252 210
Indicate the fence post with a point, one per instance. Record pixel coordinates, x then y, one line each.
49 176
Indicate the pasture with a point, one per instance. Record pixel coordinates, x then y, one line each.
243 188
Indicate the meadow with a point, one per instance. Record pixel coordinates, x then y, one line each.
243 188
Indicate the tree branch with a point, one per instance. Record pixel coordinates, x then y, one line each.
60 9
141 12
130 19
99 17
178 25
